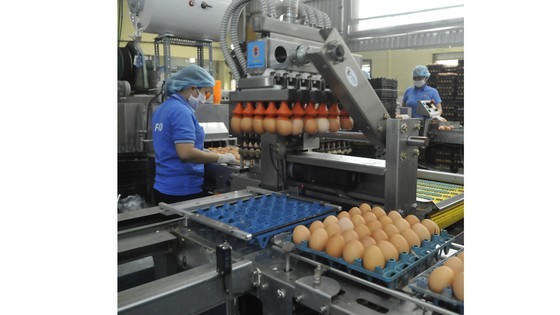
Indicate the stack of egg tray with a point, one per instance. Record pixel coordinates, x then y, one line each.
437 191
446 299
396 274
267 215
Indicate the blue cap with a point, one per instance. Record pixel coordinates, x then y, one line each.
192 75
420 71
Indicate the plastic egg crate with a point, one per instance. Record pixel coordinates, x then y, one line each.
267 215
419 285
396 274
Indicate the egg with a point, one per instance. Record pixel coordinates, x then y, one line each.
458 286
374 225
440 278
365 208
247 124
269 124
322 124
332 229
462 256
343 214
455 264
346 123
283 126
432 227
389 250
421 231
345 224
379 212
379 235
401 224
334 124
390 229
235 124
394 215
297 126
400 243
357 219
373 257
335 245
354 211
411 219
385 220
368 216
316 225
352 250
300 233
331 218
367 241
411 237
310 125
350 235
362 230
258 125
318 239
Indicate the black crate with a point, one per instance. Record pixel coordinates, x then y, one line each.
386 93
384 83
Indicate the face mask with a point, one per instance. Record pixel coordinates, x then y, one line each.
196 101
419 83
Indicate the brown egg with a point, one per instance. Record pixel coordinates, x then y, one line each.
301 233
385 220
343 214
346 123
310 126
247 124
432 227
316 225
440 278
258 125
269 124
362 230
354 211
365 208
357 219
462 256
335 245
368 216
400 243
455 264
283 126
322 124
345 224
332 229
421 231
318 240
334 124
374 225
411 237
373 257
330 219
352 250
235 124
458 286
389 250
367 241
379 235
379 212
350 235
411 219
401 224
297 126
394 215
390 229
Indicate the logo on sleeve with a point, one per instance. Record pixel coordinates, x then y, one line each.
158 127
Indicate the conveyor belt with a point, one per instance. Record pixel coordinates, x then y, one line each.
438 192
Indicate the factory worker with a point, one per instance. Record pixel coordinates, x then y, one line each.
178 138
421 91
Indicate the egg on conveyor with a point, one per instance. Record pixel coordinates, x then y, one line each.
343 214
412 219
345 224
379 235
373 257
394 215
389 250
367 241
283 126
400 243
411 237
335 245
368 216
362 230
458 286
390 229
352 250
322 124
316 225
357 219
318 239
364 207
462 256
421 231
354 211
440 278
432 227
331 218
350 235
374 225
455 264
332 229
401 224
379 212
300 233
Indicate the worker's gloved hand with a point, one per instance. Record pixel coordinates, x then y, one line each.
227 158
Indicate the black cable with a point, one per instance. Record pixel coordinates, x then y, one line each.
274 165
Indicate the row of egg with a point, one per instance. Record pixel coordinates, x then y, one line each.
287 121
228 149
367 233
450 274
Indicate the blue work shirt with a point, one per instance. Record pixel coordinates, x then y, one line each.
174 122
413 94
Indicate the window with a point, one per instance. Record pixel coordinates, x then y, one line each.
448 59
366 67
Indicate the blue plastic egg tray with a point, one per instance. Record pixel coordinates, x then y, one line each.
267 215
446 299
396 274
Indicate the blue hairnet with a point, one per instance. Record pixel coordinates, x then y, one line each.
420 71
192 75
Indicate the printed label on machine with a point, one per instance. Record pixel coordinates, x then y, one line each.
256 55
351 76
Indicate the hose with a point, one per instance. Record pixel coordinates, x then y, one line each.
320 21
235 38
327 20
223 36
303 12
311 15
272 8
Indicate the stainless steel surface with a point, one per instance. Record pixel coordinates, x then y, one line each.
263 95
354 92
192 205
131 115
417 141
452 178
341 162
147 240
272 154
262 23
188 292
214 131
450 202
213 113
343 135
455 136
317 296
256 82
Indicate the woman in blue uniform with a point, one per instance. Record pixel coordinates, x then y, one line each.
421 91
179 138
